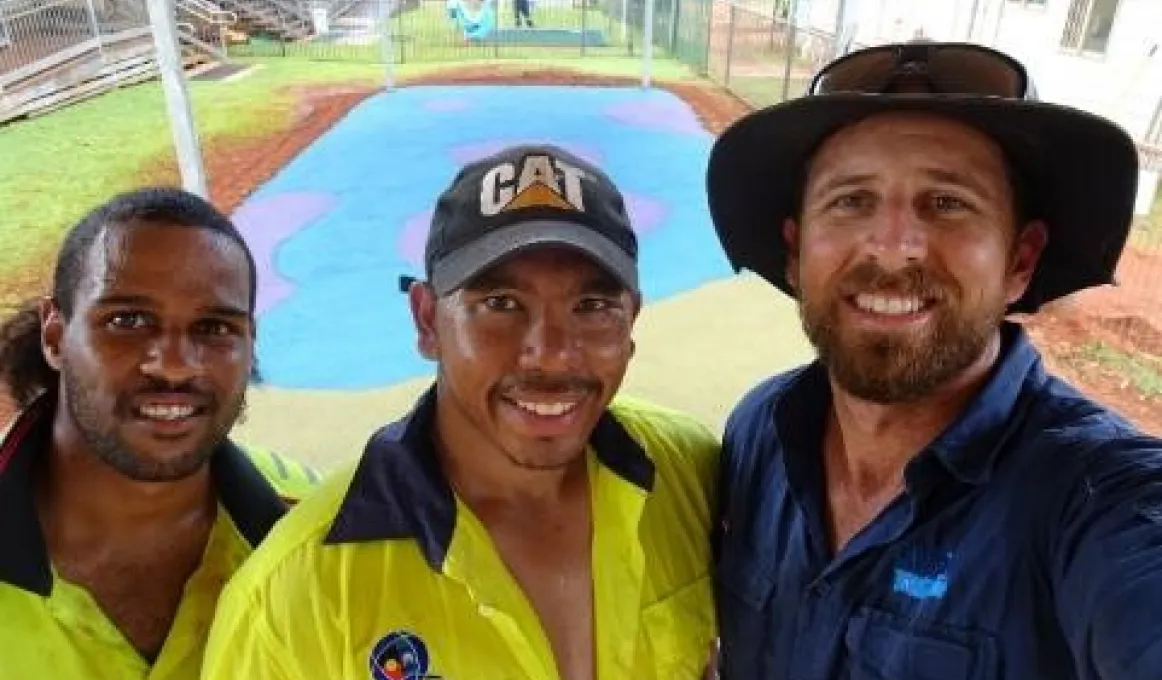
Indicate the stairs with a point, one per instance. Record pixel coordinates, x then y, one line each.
283 19
47 65
77 73
202 27
58 52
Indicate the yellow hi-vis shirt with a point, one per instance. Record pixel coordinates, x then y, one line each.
383 574
51 628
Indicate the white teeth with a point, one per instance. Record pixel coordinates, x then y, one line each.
166 412
883 304
541 409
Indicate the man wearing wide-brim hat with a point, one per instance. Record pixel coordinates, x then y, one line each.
925 501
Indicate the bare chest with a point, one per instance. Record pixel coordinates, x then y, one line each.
855 496
139 596
553 568
850 513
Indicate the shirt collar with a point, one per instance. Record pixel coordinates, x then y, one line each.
399 490
970 446
252 503
967 448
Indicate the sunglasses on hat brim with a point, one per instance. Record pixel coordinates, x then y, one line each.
940 68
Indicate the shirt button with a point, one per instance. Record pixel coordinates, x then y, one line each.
487 611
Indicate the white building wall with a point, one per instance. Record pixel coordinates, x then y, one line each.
1124 84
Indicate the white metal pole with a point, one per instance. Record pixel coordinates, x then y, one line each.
648 47
972 19
177 98
844 29
624 20
388 45
1000 22
96 25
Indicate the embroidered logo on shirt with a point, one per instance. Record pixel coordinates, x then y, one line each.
400 655
922 575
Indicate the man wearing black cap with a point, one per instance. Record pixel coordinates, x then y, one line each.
516 525
924 501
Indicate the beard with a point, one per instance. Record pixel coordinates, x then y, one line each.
895 368
98 428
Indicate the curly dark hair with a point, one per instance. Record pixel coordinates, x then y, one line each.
23 369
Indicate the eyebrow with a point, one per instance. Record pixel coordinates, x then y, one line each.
126 300
603 283
939 174
842 182
123 300
226 311
958 179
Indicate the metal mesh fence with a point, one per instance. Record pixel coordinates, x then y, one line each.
462 30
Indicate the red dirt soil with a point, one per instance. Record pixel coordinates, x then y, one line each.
1128 318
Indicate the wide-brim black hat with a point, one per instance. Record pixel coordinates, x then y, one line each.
1080 169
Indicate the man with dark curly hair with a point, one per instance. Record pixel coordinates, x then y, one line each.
124 507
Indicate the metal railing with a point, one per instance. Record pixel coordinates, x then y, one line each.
452 30
35 30
761 57
60 51
204 23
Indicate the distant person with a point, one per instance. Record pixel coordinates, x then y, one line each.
124 507
523 9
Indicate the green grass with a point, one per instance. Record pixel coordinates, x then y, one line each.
1144 373
71 160
760 91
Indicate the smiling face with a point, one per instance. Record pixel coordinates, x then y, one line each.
906 254
155 358
530 353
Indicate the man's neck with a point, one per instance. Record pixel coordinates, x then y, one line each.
81 492
870 444
131 545
481 472
481 475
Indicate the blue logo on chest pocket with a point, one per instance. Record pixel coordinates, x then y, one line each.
922 577
920 587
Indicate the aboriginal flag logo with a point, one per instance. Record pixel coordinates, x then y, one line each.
401 655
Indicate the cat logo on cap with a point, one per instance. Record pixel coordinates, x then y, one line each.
539 182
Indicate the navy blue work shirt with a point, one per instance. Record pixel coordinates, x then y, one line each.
1026 546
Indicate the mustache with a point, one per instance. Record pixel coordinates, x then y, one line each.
188 387
869 277
537 381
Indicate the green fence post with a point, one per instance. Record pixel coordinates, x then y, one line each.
790 50
674 12
584 24
496 32
708 34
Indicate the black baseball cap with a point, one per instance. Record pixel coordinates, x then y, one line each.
524 197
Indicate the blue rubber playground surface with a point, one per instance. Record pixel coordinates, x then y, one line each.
335 229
